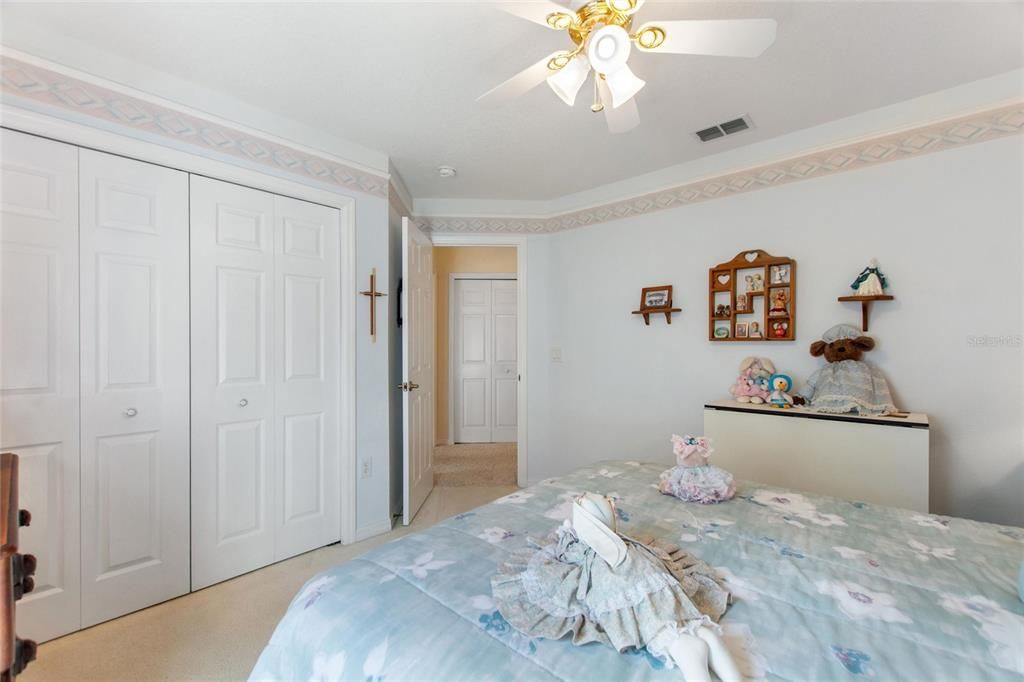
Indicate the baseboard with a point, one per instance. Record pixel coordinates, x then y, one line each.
368 532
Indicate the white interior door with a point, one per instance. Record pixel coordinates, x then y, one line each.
233 372
417 369
39 374
485 376
134 391
504 368
307 342
472 351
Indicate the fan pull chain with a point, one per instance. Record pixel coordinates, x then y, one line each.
597 106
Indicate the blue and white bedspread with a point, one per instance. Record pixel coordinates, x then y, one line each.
823 589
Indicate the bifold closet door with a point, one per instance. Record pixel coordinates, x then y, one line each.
307 342
134 390
39 367
265 338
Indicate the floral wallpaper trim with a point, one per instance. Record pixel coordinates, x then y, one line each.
948 134
54 89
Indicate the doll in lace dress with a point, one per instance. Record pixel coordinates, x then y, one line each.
597 585
693 479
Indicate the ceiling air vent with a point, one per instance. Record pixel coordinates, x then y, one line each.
728 128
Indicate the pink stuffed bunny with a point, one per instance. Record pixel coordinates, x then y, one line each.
752 384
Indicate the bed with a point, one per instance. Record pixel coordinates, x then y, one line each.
823 589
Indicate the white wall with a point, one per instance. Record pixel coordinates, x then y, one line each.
946 228
373 434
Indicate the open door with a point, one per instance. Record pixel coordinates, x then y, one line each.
417 369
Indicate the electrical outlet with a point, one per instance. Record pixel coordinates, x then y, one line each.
366 468
556 354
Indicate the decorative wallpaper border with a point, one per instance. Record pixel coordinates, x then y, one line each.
949 134
54 89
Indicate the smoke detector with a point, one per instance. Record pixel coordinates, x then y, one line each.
446 172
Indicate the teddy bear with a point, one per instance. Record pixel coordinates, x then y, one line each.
752 384
847 383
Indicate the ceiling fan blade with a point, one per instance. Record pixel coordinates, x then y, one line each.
536 11
621 119
716 37
519 84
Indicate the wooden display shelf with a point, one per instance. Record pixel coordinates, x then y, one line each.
647 312
865 304
725 281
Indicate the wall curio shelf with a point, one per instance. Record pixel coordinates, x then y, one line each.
752 298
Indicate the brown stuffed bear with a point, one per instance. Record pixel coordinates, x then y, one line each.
846 383
843 349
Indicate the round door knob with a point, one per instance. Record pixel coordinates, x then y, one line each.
131 412
243 402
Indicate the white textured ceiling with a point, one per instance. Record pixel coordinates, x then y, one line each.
402 77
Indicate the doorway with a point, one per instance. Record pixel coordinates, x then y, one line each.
477 366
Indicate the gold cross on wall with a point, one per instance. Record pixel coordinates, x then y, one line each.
374 295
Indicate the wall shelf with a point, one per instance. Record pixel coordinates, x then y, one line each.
865 305
649 311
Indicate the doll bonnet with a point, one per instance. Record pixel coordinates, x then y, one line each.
593 519
840 332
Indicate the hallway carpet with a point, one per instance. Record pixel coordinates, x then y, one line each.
475 464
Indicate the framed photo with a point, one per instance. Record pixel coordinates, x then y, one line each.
656 297
741 303
741 330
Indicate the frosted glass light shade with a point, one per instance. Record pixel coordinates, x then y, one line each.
623 84
608 49
567 81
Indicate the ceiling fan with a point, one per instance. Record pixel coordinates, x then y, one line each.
603 34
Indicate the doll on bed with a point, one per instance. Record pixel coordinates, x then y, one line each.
693 479
598 585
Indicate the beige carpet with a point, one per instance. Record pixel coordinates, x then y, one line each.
217 633
475 464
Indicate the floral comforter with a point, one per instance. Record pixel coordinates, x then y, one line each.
823 589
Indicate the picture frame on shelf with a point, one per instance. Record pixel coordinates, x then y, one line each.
743 303
656 297
741 330
656 300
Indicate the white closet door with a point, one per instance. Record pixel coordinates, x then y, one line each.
504 368
39 367
232 266
134 335
473 357
306 342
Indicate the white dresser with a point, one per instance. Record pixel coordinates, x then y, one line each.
881 460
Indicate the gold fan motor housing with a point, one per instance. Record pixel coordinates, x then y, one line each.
591 16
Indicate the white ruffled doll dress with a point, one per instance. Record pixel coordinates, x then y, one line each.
693 479
627 593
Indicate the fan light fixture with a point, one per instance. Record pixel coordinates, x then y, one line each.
603 34
567 81
623 84
608 49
